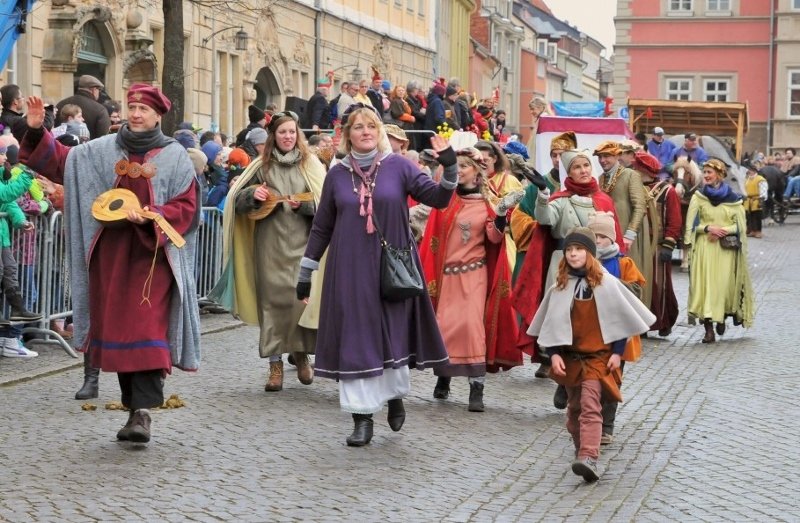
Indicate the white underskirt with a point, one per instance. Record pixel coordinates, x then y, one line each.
369 395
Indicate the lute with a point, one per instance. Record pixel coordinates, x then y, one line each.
268 205
113 206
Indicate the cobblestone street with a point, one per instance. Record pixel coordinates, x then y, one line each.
707 433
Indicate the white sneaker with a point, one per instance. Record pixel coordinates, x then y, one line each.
13 348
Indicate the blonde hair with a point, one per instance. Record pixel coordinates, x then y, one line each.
368 115
594 272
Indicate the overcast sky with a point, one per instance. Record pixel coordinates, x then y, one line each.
593 17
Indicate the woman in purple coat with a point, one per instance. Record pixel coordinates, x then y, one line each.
364 342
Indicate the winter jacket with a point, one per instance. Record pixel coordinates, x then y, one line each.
94 113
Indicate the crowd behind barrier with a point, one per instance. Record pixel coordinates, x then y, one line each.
41 257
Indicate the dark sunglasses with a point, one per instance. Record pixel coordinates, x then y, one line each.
356 106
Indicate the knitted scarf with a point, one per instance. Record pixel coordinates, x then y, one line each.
142 142
721 194
367 182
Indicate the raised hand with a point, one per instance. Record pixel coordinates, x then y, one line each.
35 116
439 143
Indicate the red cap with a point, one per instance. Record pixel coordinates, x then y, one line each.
647 162
149 96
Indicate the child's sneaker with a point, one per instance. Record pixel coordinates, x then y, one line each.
13 348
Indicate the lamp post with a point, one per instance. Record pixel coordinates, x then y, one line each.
240 45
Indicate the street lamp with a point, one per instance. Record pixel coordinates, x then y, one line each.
241 37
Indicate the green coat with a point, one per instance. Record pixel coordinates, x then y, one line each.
9 192
719 279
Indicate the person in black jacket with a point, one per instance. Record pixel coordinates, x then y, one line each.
94 114
318 114
257 117
12 118
416 100
434 114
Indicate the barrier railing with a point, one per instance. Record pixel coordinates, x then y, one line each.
43 271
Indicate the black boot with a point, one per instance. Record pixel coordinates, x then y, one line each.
91 380
560 397
18 311
397 414
475 397
442 389
362 430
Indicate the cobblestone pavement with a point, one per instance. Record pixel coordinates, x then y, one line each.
707 433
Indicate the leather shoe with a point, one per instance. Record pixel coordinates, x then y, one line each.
397 414
560 398
720 328
543 371
362 430
665 332
586 467
124 433
140 426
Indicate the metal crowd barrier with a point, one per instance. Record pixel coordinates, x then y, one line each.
43 272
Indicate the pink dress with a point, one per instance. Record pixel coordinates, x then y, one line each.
462 299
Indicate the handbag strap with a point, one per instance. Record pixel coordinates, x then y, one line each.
385 243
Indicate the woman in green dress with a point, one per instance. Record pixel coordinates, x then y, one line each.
719 280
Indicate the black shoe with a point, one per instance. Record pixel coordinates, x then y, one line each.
124 433
397 414
560 398
139 431
442 389
362 430
665 332
543 371
586 467
475 397
709 337
721 328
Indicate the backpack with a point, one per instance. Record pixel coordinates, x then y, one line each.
333 108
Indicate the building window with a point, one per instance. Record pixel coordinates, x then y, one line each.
541 47
680 6
552 52
796 4
716 90
410 6
794 92
496 44
719 5
398 3
679 88
11 66
421 8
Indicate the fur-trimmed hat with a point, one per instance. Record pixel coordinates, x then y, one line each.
602 222
564 142
583 236
395 132
516 147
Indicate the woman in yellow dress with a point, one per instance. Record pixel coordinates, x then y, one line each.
719 280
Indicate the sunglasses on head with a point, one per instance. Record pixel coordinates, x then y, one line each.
356 106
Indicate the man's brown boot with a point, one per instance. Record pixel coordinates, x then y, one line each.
275 381
305 373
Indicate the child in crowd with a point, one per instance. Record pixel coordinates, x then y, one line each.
584 322
10 190
623 268
72 123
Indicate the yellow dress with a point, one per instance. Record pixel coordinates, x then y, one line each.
719 279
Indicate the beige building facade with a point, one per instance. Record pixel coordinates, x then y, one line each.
290 45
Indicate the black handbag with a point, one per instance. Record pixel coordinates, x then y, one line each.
730 242
400 276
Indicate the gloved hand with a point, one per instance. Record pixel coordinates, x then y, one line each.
307 266
303 290
447 157
664 254
508 201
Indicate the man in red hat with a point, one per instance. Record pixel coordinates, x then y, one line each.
133 290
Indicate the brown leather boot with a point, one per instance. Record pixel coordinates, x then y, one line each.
305 372
709 337
275 381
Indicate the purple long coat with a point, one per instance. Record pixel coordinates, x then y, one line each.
359 333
